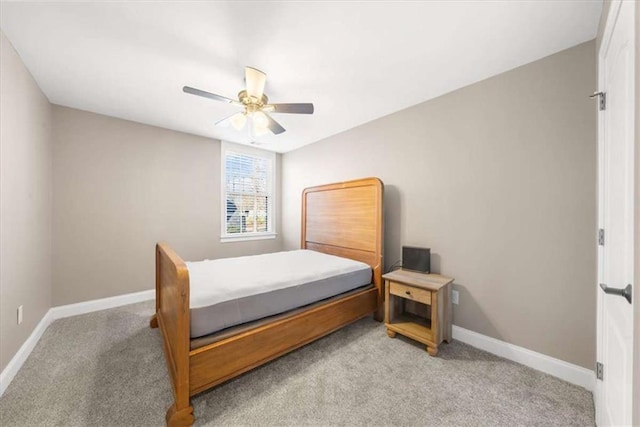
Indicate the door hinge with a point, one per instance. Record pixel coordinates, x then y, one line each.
601 237
599 371
602 100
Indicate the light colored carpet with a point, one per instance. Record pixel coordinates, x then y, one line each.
107 369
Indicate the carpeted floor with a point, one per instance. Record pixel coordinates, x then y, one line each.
107 369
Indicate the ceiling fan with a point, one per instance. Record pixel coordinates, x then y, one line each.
255 105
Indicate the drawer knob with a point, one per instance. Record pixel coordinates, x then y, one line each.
408 292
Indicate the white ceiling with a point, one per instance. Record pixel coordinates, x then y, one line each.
356 61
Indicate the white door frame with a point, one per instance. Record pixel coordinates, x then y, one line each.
606 39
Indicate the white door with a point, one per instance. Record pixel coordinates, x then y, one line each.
613 395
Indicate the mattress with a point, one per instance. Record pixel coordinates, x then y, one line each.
239 329
231 291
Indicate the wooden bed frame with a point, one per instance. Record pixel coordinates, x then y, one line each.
343 219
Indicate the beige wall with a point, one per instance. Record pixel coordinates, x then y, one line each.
499 180
25 202
119 188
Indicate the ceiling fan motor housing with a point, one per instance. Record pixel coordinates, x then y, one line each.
251 103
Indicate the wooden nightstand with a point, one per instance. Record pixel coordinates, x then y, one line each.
418 306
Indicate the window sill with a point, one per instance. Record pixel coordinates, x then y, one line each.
244 238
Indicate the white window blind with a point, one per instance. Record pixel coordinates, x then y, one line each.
248 193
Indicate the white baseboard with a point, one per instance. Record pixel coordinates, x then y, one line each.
10 371
54 313
69 310
558 368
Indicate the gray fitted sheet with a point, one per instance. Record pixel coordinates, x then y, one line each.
214 318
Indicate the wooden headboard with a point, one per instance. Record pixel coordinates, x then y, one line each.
345 219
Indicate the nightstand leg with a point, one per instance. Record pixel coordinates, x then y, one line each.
391 333
432 350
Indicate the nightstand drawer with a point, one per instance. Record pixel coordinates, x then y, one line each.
408 292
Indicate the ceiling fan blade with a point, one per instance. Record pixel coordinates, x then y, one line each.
224 122
304 108
274 126
194 91
255 80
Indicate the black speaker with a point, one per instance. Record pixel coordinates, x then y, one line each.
416 259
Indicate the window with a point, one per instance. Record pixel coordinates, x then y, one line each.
248 195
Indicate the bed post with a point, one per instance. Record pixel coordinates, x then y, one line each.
172 317
153 322
378 269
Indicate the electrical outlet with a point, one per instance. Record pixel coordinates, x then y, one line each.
19 315
455 297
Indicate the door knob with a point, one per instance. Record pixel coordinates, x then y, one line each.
623 292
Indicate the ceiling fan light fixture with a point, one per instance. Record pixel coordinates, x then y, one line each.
260 123
238 120
260 119
261 131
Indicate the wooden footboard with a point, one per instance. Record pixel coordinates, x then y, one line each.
172 316
218 362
